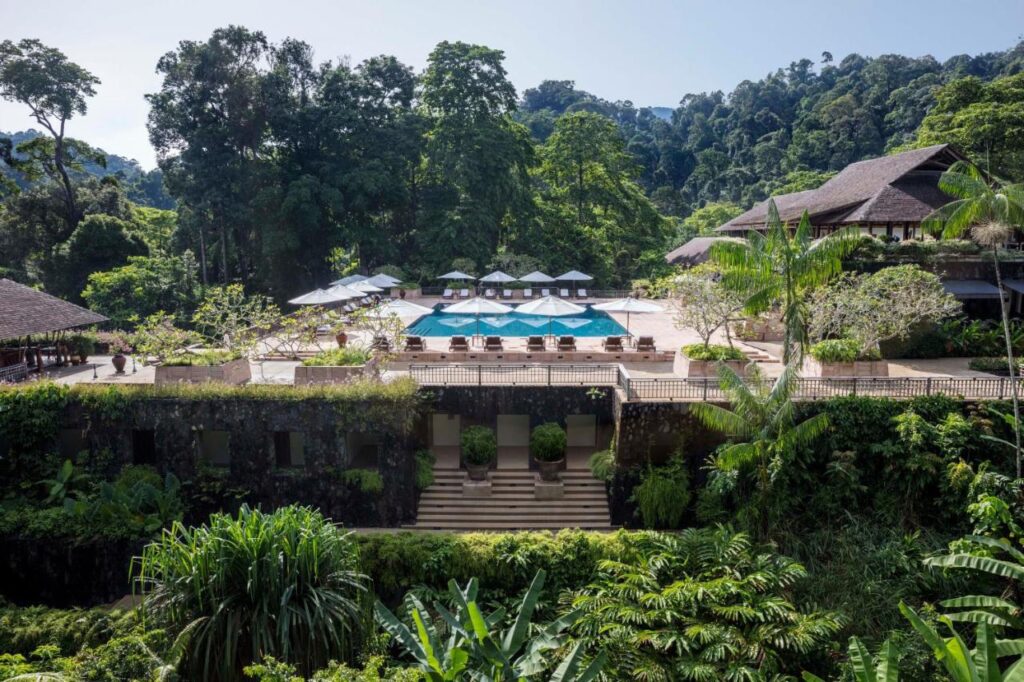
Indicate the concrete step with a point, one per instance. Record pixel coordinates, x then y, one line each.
506 526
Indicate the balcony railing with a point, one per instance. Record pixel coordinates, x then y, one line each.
683 389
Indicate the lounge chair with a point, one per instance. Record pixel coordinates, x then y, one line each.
414 344
535 344
566 344
463 293
564 293
582 293
448 293
489 293
545 292
458 344
527 293
493 343
645 344
506 293
382 344
613 344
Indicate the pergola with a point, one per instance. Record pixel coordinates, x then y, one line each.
26 312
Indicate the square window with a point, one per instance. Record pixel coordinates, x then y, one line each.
289 449
213 448
144 446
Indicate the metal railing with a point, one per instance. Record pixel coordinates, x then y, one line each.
515 375
694 390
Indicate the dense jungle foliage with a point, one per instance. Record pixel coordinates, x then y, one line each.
265 151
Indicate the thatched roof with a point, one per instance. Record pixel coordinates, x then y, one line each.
694 251
27 312
898 188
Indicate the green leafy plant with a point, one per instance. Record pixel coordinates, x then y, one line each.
364 480
479 445
701 604
841 350
283 584
66 480
548 442
712 352
964 664
864 666
339 357
602 465
478 649
663 494
204 358
424 469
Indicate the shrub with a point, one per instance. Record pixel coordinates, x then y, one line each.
364 480
712 352
339 357
479 445
424 469
205 358
663 494
283 584
994 365
840 350
547 443
602 465
82 344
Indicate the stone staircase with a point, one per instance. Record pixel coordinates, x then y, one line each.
757 355
511 505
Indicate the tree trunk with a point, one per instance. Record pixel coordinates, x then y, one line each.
202 256
70 205
1010 364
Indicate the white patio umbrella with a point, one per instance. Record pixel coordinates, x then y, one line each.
365 287
478 306
347 293
574 276
401 308
537 277
383 281
628 305
350 279
318 297
455 274
550 306
497 277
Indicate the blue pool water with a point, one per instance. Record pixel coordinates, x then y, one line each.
590 323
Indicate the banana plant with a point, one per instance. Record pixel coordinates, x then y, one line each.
994 611
865 667
980 664
475 648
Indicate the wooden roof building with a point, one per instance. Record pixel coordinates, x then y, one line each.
889 195
24 311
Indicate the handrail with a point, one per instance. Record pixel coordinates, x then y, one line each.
686 389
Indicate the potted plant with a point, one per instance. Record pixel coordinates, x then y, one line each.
845 358
336 366
120 346
547 446
479 449
702 360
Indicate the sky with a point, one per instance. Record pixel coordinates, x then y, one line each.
651 52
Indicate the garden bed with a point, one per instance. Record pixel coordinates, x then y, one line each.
306 375
232 372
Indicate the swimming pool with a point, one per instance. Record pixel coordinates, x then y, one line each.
589 323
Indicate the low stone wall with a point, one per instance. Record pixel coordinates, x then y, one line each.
860 368
703 369
234 372
306 376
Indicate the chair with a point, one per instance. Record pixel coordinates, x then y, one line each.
535 344
506 293
463 293
582 293
545 292
645 344
564 293
613 344
414 344
489 293
493 343
448 293
458 344
382 344
566 343
527 293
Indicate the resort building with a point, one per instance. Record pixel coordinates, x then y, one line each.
886 197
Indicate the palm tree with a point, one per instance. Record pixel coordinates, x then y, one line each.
779 267
991 210
761 423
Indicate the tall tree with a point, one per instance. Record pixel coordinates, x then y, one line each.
779 268
991 210
54 89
